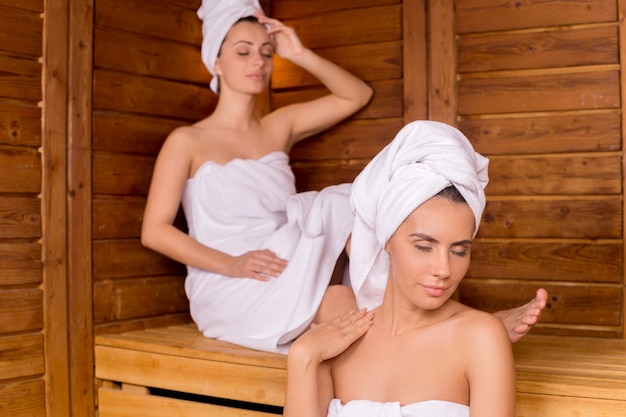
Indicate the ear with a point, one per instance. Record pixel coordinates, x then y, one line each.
217 66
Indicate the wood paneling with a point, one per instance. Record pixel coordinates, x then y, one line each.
20 170
20 217
21 356
20 79
20 263
117 217
21 30
122 174
290 9
20 125
23 399
21 310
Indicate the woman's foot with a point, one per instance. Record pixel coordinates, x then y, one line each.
519 320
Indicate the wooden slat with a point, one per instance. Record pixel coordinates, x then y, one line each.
567 261
32 5
141 297
414 60
20 125
21 310
581 304
290 9
20 217
356 59
197 376
20 78
116 132
23 399
554 48
593 218
20 170
442 97
376 24
117 217
556 174
548 92
142 323
122 174
547 133
21 356
358 139
538 405
128 258
114 403
20 263
386 102
21 31
136 94
315 175
129 52
156 20
491 15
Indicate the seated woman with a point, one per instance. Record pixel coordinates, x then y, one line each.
418 205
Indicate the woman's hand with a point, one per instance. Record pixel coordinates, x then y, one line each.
327 340
288 45
257 264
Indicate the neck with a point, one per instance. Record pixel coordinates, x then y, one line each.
236 111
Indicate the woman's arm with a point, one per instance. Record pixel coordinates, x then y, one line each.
348 93
309 380
491 370
159 233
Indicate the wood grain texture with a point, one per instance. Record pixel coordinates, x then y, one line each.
21 356
21 30
20 125
20 170
20 263
23 399
21 310
20 217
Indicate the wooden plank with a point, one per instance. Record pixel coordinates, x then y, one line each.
20 217
136 94
142 323
370 25
197 376
32 5
568 303
20 170
572 174
128 52
20 263
122 174
414 60
20 125
357 139
551 48
386 102
565 260
156 20
315 175
536 217
547 133
125 299
21 31
20 78
21 356
356 59
128 258
538 405
21 310
114 132
541 92
118 217
114 403
290 9
442 97
23 399
492 15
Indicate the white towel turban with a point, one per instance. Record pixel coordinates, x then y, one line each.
424 158
218 16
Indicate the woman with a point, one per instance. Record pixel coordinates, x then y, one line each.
259 256
420 353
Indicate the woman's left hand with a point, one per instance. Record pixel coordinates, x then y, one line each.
288 45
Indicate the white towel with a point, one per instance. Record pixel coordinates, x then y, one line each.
424 158
218 16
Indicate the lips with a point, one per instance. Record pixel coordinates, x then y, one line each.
434 290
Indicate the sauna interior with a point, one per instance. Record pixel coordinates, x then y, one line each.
89 89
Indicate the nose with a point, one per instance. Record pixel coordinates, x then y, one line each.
257 59
440 266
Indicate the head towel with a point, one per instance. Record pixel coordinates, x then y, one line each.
218 16
424 158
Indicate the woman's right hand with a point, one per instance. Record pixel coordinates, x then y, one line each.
327 340
257 264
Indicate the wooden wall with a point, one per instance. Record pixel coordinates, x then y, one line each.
538 90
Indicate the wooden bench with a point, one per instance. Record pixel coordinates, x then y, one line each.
176 371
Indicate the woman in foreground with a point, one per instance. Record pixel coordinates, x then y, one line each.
418 205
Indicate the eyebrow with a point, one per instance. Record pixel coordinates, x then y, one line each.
428 238
250 43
